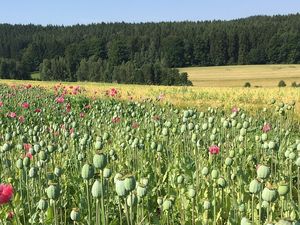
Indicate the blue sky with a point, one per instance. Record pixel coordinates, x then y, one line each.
70 12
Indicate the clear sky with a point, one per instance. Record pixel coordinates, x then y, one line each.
70 12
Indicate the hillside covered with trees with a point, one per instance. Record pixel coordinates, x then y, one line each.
145 52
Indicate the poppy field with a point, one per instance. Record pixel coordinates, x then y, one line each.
69 158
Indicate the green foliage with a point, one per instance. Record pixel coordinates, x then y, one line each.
281 83
116 48
247 85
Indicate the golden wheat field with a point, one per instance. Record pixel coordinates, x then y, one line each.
226 95
236 76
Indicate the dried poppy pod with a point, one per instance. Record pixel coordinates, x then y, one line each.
75 214
255 186
100 161
87 172
43 204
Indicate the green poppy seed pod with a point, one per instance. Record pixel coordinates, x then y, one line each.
214 174
141 190
231 153
242 207
32 151
87 171
100 161
245 221
75 215
263 172
298 162
298 147
165 131
243 131
58 171
107 173
186 114
246 124
255 186
241 151
50 176
130 183
233 123
206 205
159 201
269 195
80 157
204 126
191 126
257 138
42 155
264 137
5 147
205 171
292 156
183 128
43 204
26 162
212 137
167 204
33 172
194 137
51 148
98 145
131 200
287 153
283 189
120 187
239 126
159 148
225 124
19 164
8 137
241 138
272 145
265 204
222 182
228 161
284 222
145 181
191 193
97 189
53 191
153 145
180 179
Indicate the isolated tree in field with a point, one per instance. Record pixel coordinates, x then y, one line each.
281 83
247 85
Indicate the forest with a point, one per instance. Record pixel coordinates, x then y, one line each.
145 53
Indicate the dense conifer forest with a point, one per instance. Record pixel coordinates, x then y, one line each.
145 53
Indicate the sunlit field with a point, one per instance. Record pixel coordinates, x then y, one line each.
237 76
78 155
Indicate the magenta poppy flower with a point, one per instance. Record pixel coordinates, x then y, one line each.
60 99
12 115
214 149
266 128
6 193
25 105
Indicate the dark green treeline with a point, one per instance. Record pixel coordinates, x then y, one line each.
145 52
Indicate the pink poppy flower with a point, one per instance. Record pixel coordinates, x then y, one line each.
214 150
266 128
6 193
